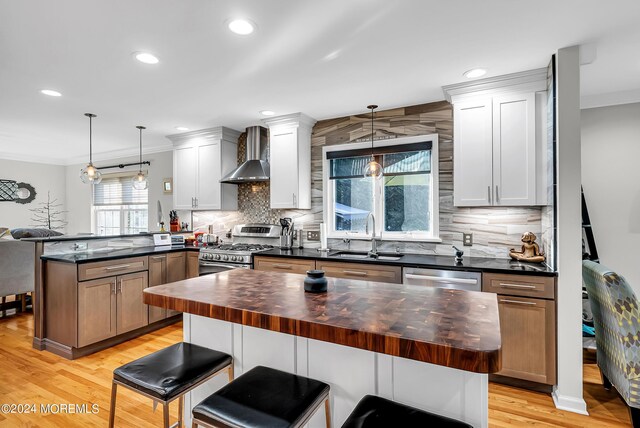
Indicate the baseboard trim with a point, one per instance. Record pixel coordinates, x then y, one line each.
569 403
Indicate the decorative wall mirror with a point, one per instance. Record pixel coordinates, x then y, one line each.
25 193
167 185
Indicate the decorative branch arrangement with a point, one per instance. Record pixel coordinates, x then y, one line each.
48 215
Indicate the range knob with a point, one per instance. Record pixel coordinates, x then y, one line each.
234 258
225 257
217 256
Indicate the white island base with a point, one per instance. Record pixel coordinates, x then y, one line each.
352 373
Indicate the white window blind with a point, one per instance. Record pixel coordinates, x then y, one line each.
118 190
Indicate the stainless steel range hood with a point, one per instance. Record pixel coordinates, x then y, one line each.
253 168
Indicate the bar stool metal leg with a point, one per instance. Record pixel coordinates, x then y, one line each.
112 407
165 415
327 412
231 372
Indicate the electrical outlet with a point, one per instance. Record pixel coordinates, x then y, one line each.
313 235
467 239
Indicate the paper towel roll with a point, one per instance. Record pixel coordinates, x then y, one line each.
323 237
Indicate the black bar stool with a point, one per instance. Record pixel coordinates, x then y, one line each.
261 398
377 412
169 374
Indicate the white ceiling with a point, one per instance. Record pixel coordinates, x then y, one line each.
326 58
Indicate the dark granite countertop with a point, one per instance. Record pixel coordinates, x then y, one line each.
453 328
473 264
114 253
92 237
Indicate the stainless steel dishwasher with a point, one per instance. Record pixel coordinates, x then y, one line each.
460 280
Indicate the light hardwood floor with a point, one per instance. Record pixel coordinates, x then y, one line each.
33 377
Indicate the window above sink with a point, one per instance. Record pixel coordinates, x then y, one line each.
404 201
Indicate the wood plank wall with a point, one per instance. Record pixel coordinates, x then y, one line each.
495 229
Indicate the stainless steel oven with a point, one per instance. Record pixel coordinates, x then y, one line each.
207 268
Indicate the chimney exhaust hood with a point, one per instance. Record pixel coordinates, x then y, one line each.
253 168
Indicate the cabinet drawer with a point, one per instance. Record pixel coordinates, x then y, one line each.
286 265
519 285
111 267
362 271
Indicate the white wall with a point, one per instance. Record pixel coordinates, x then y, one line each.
42 177
611 182
79 194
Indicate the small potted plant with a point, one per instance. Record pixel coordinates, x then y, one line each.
174 221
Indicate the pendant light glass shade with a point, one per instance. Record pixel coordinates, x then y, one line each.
373 169
140 181
90 174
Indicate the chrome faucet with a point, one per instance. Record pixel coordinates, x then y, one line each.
374 246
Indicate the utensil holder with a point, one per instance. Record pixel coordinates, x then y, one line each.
286 242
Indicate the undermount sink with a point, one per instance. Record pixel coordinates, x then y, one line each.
363 256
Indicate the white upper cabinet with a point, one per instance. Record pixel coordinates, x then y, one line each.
290 160
200 160
514 149
499 140
473 153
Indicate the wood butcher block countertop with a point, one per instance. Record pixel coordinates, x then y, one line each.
453 328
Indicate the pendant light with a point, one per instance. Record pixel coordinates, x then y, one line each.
140 180
373 168
90 174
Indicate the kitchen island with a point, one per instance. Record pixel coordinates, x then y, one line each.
430 348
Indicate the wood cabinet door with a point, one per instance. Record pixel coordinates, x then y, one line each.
184 177
472 153
528 338
176 266
176 271
96 310
514 149
193 264
157 276
132 313
283 265
283 159
208 177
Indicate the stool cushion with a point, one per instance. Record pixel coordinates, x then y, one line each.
377 412
263 397
170 372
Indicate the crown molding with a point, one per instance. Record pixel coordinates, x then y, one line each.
110 156
610 99
293 120
531 80
209 134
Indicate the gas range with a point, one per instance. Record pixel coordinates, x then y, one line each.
248 239
234 253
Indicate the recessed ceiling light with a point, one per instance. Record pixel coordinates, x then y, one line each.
182 128
241 26
267 112
51 93
475 72
146 57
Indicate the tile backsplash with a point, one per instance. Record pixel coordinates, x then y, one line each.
495 229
